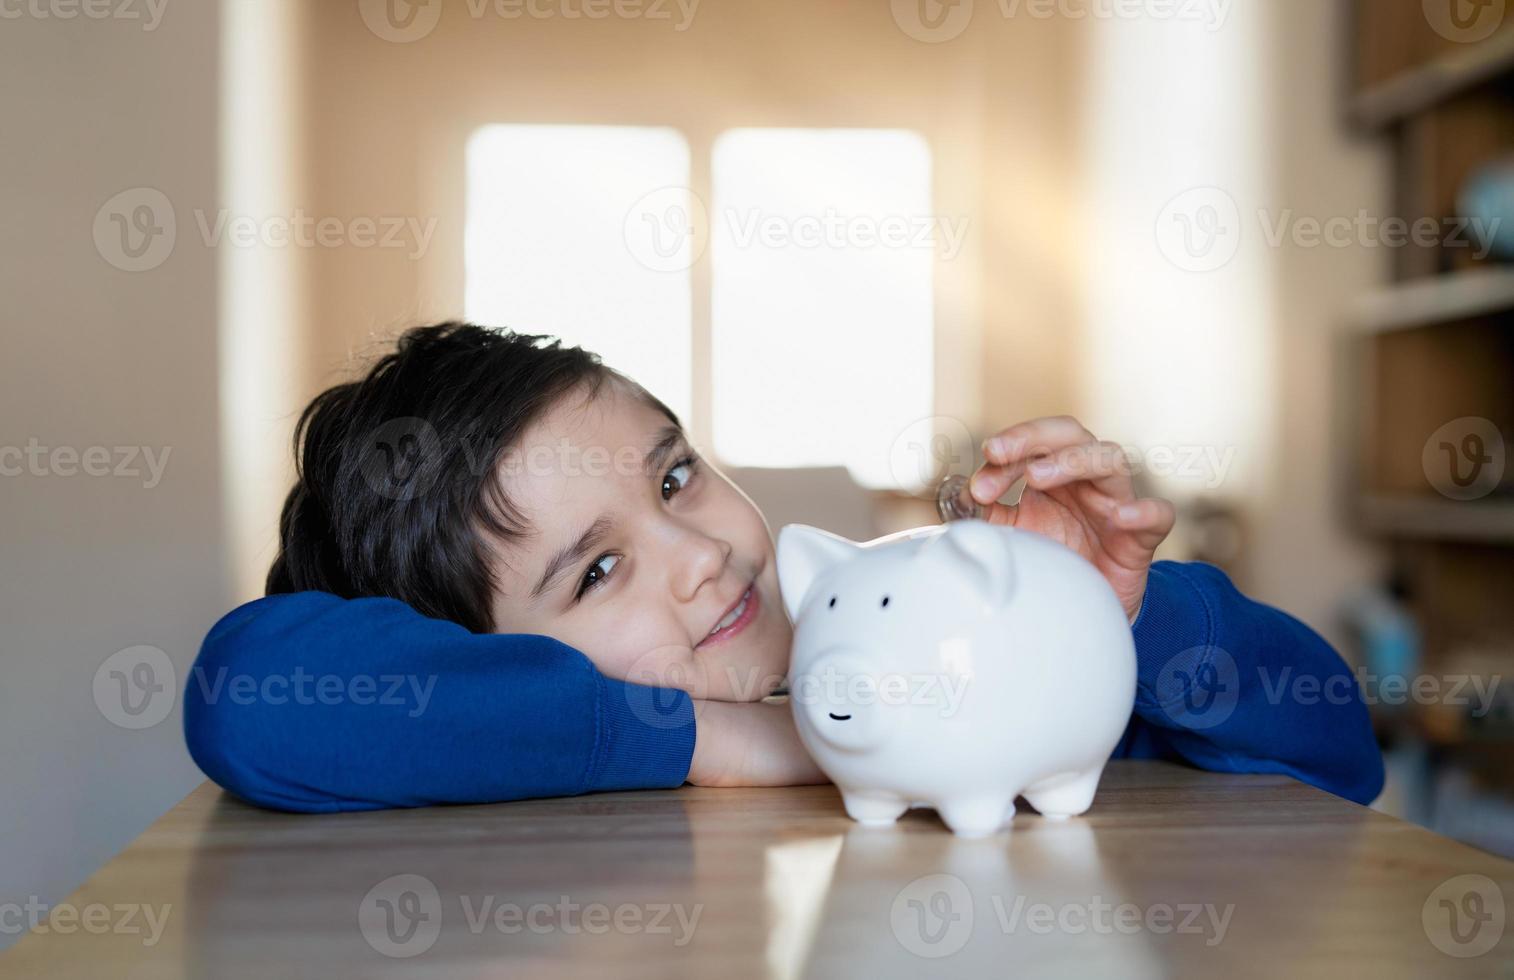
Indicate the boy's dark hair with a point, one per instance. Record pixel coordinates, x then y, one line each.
396 471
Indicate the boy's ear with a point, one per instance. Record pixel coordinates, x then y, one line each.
804 553
981 551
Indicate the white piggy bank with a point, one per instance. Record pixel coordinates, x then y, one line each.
956 667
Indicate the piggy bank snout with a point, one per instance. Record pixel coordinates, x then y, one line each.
838 693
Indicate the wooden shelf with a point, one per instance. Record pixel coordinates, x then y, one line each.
1442 299
1390 102
1413 516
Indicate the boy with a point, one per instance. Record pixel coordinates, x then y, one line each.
505 573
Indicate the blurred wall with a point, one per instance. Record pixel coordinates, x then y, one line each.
98 553
1303 557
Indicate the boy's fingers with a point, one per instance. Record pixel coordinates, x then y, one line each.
1034 438
1000 514
1148 521
992 482
1101 464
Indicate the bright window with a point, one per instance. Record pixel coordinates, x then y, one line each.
551 248
823 244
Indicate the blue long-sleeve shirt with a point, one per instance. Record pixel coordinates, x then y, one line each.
314 703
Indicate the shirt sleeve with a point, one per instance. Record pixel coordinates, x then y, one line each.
313 703
1232 685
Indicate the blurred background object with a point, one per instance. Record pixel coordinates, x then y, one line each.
1432 374
847 241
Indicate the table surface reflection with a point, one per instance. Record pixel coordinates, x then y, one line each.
1173 872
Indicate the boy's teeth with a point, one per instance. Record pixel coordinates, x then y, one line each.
733 615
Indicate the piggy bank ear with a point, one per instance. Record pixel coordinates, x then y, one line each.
804 553
982 551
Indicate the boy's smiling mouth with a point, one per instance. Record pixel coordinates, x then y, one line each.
735 619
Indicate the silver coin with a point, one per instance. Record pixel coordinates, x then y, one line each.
954 503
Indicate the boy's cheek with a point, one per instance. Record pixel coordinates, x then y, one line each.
751 674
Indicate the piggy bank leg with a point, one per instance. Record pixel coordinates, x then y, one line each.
874 809
977 816
1065 796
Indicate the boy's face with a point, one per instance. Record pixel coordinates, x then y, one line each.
673 547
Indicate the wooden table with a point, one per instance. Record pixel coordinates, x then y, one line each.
1173 872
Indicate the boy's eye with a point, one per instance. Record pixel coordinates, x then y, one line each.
597 573
678 477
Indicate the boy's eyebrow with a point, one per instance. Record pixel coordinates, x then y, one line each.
669 438
572 554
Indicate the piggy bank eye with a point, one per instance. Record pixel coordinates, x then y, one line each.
832 603
885 602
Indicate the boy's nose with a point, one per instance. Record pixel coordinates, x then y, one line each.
697 559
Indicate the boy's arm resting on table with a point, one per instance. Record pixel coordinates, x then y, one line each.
314 703
1233 685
